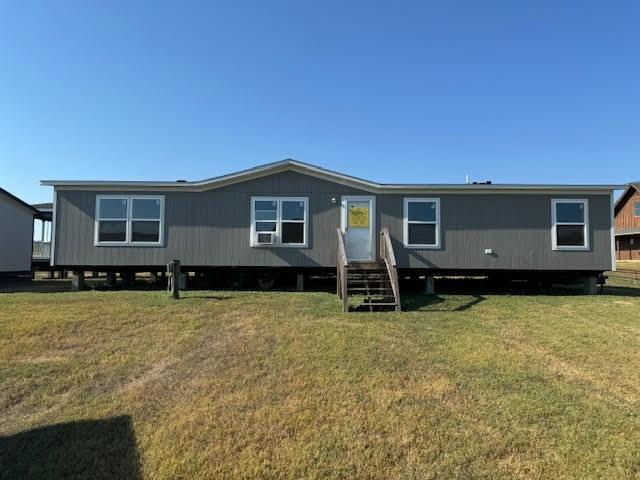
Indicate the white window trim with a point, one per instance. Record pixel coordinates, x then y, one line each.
405 223
277 239
128 242
612 232
555 223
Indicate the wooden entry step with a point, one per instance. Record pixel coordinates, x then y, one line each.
368 286
366 266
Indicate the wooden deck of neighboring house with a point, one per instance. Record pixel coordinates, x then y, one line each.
41 250
627 223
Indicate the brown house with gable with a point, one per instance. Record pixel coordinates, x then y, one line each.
627 213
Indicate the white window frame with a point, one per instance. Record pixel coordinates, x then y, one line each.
555 223
406 222
128 221
277 235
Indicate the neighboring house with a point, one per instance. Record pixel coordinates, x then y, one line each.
16 218
42 238
627 212
285 215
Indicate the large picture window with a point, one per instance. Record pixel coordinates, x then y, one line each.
570 224
279 221
129 220
422 222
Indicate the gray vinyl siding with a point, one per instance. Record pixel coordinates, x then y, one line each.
517 228
208 228
212 229
17 236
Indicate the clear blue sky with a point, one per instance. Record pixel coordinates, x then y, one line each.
539 91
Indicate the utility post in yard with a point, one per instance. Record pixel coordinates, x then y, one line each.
174 280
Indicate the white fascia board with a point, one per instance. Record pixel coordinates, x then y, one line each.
292 165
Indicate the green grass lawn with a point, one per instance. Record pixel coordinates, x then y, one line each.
130 384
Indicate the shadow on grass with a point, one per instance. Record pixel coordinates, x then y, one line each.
204 296
37 286
481 287
460 294
621 291
63 285
414 302
138 286
91 449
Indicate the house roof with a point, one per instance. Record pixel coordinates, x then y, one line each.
19 201
313 170
631 187
43 207
46 210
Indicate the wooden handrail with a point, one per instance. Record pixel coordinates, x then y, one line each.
389 258
341 271
386 248
342 253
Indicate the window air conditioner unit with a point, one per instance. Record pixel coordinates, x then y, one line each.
265 238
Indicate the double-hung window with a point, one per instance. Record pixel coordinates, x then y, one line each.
129 220
279 221
570 224
636 209
422 222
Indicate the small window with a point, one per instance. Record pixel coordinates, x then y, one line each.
266 216
145 220
636 209
293 218
570 224
422 222
112 231
284 218
112 216
124 220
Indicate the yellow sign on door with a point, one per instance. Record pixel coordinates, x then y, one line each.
358 217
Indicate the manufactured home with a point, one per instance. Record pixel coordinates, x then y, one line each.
627 213
16 245
294 216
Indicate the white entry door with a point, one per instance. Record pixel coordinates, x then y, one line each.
358 225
